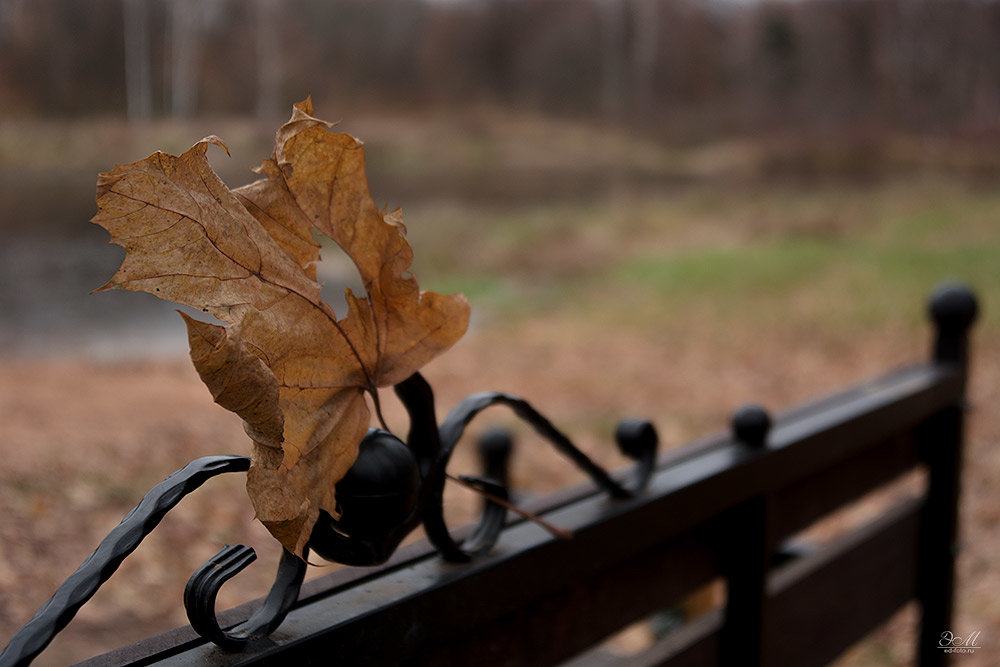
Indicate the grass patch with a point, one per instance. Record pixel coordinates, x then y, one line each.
728 273
850 259
487 289
850 284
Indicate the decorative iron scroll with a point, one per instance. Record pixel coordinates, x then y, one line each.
391 489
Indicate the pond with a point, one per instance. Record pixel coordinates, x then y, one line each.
47 309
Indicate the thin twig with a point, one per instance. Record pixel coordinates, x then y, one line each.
556 531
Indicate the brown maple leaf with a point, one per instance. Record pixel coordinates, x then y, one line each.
295 372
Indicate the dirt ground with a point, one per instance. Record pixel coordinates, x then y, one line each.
81 440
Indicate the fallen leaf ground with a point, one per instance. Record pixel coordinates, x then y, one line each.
678 303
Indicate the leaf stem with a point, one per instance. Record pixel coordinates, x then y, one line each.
378 409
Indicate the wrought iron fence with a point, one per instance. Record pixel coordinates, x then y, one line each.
721 509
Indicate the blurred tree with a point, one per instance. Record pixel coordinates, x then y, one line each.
613 65
184 30
646 19
269 71
499 40
138 61
780 46
924 65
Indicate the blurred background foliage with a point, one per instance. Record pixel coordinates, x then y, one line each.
521 133
677 67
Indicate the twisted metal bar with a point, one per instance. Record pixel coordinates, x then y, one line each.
80 586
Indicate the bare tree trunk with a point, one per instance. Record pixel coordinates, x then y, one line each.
268 59
185 23
645 19
613 66
138 68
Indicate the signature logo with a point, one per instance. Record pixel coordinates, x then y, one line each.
952 643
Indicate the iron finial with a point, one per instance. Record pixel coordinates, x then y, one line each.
954 308
751 424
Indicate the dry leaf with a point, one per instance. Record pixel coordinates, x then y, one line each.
295 372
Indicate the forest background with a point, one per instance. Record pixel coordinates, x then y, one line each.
656 207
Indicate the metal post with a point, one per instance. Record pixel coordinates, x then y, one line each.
746 557
953 309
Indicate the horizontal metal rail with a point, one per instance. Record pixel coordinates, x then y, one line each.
720 509
535 599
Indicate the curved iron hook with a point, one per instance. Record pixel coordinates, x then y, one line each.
80 586
204 585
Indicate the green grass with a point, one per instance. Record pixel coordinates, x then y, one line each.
870 279
730 272
849 257
484 289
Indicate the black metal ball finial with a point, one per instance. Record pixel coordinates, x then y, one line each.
638 440
378 498
635 437
954 306
751 424
381 488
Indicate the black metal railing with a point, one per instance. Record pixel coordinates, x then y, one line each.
391 489
724 509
